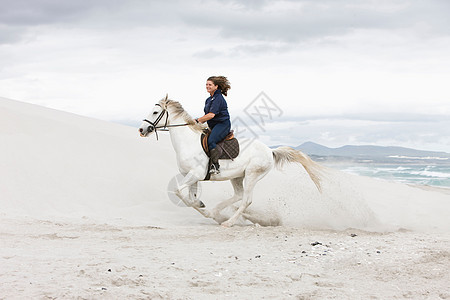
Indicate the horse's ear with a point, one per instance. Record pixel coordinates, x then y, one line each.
167 97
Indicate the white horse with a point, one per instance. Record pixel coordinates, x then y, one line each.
250 166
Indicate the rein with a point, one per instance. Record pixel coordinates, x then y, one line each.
154 125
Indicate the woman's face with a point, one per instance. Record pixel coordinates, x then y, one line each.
211 87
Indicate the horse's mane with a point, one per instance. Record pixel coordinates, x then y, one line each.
177 110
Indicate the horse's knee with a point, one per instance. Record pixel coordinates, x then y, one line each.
179 193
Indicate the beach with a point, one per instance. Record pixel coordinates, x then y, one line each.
85 260
86 214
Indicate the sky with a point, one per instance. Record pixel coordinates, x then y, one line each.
334 72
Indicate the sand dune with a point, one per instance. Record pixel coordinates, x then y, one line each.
85 201
56 164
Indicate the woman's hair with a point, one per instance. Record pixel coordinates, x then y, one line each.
222 82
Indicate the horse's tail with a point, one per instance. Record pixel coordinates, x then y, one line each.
282 155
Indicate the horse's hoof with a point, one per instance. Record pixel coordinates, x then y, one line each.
219 219
226 224
201 204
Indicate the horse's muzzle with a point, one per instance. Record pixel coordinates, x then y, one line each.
144 132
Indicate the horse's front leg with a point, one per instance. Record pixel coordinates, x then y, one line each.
193 195
187 192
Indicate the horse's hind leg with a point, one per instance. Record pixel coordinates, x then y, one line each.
238 192
249 185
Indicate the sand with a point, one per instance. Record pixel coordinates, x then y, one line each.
85 214
48 260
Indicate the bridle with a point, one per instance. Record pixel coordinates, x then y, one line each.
154 125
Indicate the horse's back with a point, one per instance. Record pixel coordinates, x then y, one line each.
254 152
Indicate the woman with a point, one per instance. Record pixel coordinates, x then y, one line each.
217 116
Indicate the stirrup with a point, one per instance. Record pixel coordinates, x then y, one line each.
214 169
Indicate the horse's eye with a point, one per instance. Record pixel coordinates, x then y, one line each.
155 113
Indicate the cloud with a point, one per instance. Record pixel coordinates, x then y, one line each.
288 21
208 54
381 62
243 28
10 35
40 12
371 117
297 21
20 16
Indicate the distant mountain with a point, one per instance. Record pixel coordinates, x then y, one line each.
373 154
311 148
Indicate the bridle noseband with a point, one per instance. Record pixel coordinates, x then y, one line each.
154 125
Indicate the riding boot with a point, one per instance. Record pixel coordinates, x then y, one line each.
214 161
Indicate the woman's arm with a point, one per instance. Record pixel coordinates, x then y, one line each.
205 118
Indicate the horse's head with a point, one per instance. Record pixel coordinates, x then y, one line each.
154 120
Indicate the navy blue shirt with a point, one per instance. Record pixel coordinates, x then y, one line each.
217 105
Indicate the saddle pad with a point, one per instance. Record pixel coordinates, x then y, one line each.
229 147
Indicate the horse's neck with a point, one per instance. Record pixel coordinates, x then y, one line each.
183 138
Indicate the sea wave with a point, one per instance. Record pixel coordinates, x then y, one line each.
418 157
433 175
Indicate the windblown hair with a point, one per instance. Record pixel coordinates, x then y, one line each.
222 82
177 110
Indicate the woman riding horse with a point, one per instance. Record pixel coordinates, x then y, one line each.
252 164
217 116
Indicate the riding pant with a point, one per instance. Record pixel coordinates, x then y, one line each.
218 133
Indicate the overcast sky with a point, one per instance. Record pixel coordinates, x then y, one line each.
341 72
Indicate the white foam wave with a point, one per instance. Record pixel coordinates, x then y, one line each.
433 174
419 157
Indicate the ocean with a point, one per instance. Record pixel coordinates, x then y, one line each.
432 175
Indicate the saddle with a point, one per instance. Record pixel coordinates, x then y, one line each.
228 147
